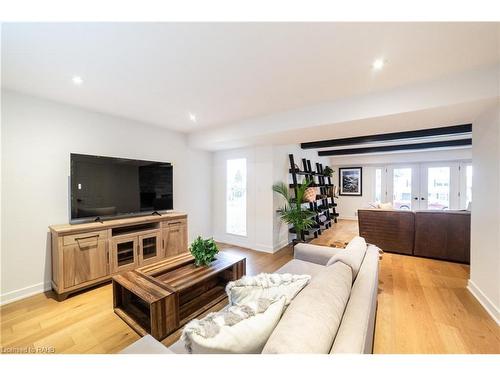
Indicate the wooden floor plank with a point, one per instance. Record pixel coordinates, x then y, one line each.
423 307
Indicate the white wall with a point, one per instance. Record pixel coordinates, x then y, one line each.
259 198
37 137
484 280
348 206
266 165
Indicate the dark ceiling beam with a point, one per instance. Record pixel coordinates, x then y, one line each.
447 130
406 147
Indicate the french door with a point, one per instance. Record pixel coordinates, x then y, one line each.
425 186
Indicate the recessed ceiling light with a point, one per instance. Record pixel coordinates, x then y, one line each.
378 64
77 80
192 117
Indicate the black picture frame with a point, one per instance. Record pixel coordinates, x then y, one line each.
354 187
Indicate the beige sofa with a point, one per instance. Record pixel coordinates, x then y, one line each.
334 313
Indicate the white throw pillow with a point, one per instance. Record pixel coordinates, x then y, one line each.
242 329
353 255
385 206
266 285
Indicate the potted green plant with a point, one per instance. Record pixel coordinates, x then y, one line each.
292 212
203 250
328 171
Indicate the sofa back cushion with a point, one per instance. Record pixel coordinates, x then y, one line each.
355 334
352 255
310 323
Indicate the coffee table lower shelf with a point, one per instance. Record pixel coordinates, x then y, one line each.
160 298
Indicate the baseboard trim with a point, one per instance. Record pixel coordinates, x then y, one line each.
348 218
281 245
484 301
23 293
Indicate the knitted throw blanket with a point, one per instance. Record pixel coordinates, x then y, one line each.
266 285
211 325
248 296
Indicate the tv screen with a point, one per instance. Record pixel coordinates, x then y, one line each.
107 187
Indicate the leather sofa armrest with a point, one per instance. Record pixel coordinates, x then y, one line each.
315 253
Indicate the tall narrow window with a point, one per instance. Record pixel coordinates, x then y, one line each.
468 186
236 197
378 185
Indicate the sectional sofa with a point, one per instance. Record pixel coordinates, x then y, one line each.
434 234
334 313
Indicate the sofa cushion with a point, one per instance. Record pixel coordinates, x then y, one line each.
314 253
310 323
352 255
238 329
300 267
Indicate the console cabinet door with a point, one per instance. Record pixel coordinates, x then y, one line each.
150 249
175 239
124 254
84 261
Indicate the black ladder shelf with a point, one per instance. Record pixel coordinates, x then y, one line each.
324 206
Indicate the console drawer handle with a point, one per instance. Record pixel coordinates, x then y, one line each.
175 222
78 239
86 238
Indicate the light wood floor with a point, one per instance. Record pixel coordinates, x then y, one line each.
423 307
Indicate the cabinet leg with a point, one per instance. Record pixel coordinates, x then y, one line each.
61 297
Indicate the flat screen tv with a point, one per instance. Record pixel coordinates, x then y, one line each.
104 187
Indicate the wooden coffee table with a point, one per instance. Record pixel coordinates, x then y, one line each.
159 298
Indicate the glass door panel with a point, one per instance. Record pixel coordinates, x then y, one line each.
150 248
438 188
402 188
125 253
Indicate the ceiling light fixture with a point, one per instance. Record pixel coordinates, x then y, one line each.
192 117
378 64
77 80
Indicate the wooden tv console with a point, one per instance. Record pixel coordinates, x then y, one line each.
86 254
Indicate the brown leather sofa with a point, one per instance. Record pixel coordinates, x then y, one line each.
433 234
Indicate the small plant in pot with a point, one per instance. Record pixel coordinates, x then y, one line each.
203 250
328 171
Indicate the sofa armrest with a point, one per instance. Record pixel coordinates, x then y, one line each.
314 253
146 345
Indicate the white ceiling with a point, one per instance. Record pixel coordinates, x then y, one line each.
226 73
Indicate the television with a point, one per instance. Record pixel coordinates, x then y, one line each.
105 187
